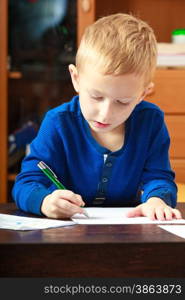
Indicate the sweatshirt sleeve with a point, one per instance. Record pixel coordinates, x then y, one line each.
31 185
158 177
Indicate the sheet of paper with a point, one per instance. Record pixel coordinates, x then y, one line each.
175 229
115 215
26 223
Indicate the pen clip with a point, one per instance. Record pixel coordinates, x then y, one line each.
42 165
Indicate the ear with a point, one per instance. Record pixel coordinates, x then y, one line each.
74 77
147 91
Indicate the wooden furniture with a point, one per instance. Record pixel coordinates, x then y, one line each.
92 251
169 87
169 95
181 192
171 14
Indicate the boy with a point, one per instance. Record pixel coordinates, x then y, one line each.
107 146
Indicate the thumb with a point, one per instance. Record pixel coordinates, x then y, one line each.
135 212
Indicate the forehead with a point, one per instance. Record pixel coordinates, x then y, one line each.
119 85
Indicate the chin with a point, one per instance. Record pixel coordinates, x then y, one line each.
96 129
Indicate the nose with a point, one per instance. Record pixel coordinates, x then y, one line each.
106 111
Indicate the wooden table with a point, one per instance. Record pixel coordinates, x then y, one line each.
92 251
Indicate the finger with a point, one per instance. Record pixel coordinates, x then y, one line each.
67 208
150 213
176 213
70 196
160 214
80 199
135 212
57 212
168 213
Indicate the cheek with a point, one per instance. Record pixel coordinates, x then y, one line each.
130 109
86 107
124 113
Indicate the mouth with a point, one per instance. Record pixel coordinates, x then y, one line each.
101 125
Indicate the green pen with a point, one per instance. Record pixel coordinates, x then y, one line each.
53 177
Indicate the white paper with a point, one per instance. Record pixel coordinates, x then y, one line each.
116 215
26 223
175 229
97 215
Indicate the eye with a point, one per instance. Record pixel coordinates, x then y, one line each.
123 103
97 98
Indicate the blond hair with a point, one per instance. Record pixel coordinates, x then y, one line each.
119 44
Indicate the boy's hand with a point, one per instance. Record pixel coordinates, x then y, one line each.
155 209
62 204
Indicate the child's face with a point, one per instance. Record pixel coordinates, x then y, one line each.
106 101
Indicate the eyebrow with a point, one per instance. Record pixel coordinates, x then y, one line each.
95 91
